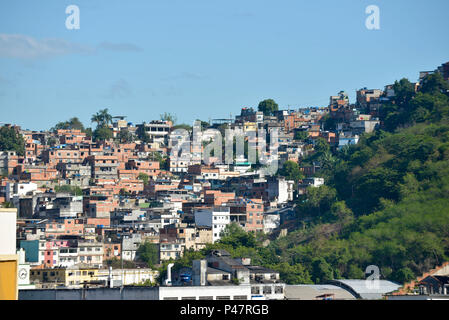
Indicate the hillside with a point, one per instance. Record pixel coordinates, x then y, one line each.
385 201
386 197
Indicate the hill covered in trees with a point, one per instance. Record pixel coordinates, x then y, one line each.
385 202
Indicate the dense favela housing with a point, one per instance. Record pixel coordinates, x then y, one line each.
117 206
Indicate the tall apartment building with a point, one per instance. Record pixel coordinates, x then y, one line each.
103 167
217 218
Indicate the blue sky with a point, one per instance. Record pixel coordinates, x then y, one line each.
205 58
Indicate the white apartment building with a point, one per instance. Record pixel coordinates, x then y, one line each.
217 219
19 189
68 256
170 250
91 253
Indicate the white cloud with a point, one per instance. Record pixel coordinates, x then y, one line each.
21 46
119 47
26 47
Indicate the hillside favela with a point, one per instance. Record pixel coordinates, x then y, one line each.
343 201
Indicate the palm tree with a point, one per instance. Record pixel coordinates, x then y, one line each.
102 118
96 118
107 118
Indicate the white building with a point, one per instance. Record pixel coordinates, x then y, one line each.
118 277
271 222
68 256
91 253
280 189
23 272
238 292
8 257
19 189
170 250
217 219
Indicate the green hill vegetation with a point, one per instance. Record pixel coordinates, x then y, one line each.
385 202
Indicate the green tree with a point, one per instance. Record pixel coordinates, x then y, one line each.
434 84
342 213
321 271
268 107
73 123
329 122
102 118
142 135
318 201
404 275
291 171
183 126
116 263
355 272
149 253
321 146
167 116
11 140
235 236
102 133
124 136
301 135
74 190
88 132
404 91
144 177
292 274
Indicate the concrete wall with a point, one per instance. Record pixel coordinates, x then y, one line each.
8 219
128 293
139 293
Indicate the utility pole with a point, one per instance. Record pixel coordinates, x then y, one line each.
121 253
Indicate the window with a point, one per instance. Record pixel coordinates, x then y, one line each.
223 298
267 290
205 298
240 297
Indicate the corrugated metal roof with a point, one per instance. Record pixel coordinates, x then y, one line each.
368 289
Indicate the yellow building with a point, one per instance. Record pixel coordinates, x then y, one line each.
74 276
8 257
249 126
